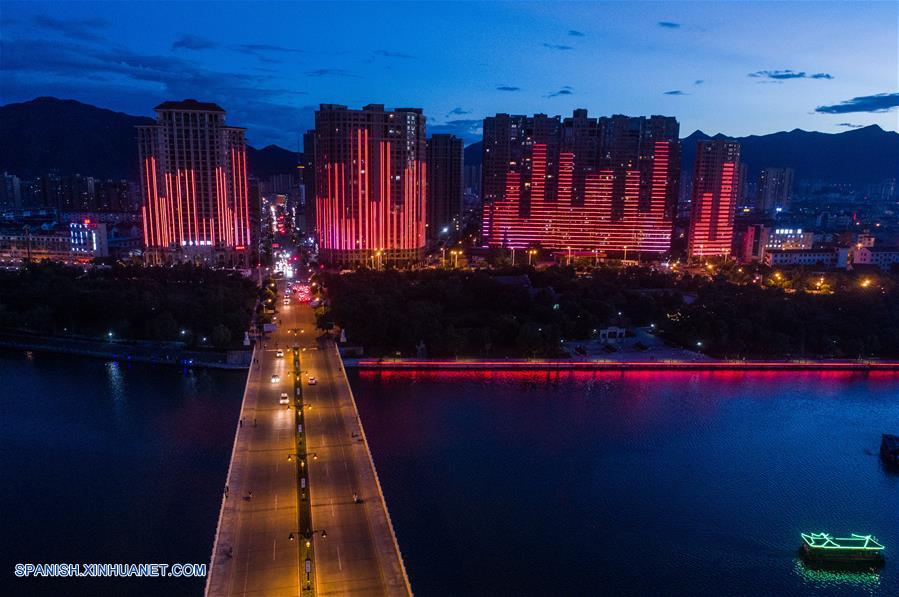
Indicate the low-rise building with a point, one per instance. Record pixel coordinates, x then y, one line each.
812 257
74 242
882 257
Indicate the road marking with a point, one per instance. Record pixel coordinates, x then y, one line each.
339 562
274 542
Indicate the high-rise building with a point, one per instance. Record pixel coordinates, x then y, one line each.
10 191
715 182
774 189
444 193
604 184
370 181
194 191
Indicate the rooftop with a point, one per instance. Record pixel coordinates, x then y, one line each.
190 104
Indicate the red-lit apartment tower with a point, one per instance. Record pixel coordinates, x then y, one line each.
715 182
194 192
588 184
370 183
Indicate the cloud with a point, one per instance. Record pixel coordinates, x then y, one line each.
389 54
467 129
193 42
575 33
508 88
101 74
557 47
675 92
566 90
330 72
257 49
77 29
669 25
458 112
880 102
783 75
850 125
698 82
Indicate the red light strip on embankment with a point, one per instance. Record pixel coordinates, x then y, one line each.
628 365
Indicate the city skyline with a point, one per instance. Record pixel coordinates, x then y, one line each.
734 68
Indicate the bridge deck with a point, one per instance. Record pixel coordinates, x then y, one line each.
259 547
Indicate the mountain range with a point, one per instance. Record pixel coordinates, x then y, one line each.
860 156
47 134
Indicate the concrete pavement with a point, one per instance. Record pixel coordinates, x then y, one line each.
253 554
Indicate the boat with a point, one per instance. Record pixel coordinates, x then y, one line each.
823 548
889 449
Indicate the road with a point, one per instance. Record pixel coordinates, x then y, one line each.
352 550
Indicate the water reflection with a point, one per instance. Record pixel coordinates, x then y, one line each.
867 582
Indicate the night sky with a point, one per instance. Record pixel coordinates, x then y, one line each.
732 67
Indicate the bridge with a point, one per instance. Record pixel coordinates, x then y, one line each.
302 513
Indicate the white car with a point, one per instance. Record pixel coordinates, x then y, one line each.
312 381
279 353
276 378
284 399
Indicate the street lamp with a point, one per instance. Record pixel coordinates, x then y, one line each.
531 254
302 457
308 535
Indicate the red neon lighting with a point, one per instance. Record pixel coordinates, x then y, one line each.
362 205
196 213
612 216
714 201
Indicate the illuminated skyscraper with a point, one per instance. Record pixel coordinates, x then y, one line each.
194 192
601 184
370 181
715 184
444 207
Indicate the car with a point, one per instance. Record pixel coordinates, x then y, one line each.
312 381
284 399
276 378
279 353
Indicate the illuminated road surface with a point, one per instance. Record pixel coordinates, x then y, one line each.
253 554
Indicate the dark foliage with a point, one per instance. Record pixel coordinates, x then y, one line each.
464 313
133 302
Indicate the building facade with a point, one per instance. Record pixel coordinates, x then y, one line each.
444 191
774 189
74 242
598 184
759 239
194 191
714 199
370 185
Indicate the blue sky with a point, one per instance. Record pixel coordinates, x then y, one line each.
733 67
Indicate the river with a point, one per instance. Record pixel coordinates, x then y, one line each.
635 483
109 462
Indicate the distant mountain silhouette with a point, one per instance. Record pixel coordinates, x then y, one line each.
47 134
860 156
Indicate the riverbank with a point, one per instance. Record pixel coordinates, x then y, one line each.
160 353
620 365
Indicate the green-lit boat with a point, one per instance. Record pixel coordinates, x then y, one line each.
823 548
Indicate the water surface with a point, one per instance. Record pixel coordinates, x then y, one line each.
111 462
636 483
